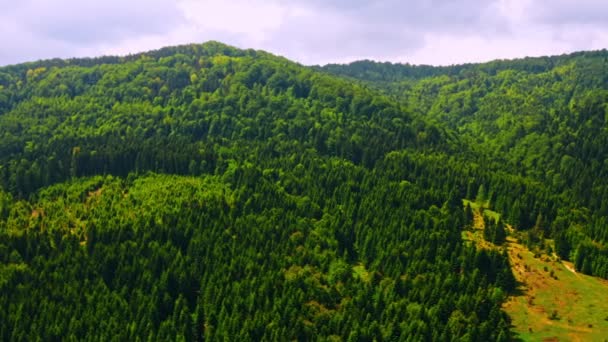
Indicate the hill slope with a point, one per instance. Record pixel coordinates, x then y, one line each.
88 117
540 118
204 192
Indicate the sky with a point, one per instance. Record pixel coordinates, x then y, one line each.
437 32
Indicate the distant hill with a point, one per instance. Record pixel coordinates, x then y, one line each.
372 71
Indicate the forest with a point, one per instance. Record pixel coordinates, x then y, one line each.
204 192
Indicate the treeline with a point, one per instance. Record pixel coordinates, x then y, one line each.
386 72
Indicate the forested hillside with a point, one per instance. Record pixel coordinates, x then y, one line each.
544 119
203 192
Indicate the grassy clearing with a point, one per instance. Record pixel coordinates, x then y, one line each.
486 211
555 303
474 205
475 234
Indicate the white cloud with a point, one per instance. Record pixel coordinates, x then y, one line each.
39 29
446 49
89 22
569 12
252 19
311 31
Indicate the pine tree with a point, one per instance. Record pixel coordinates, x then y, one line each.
500 233
481 196
468 215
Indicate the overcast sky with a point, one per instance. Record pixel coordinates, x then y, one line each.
308 31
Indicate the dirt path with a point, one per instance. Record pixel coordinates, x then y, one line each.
570 268
478 222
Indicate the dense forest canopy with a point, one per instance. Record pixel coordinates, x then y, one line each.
203 192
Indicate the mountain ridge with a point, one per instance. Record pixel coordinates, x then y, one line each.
219 46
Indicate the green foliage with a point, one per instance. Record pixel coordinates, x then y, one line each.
543 119
203 192
169 256
495 232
